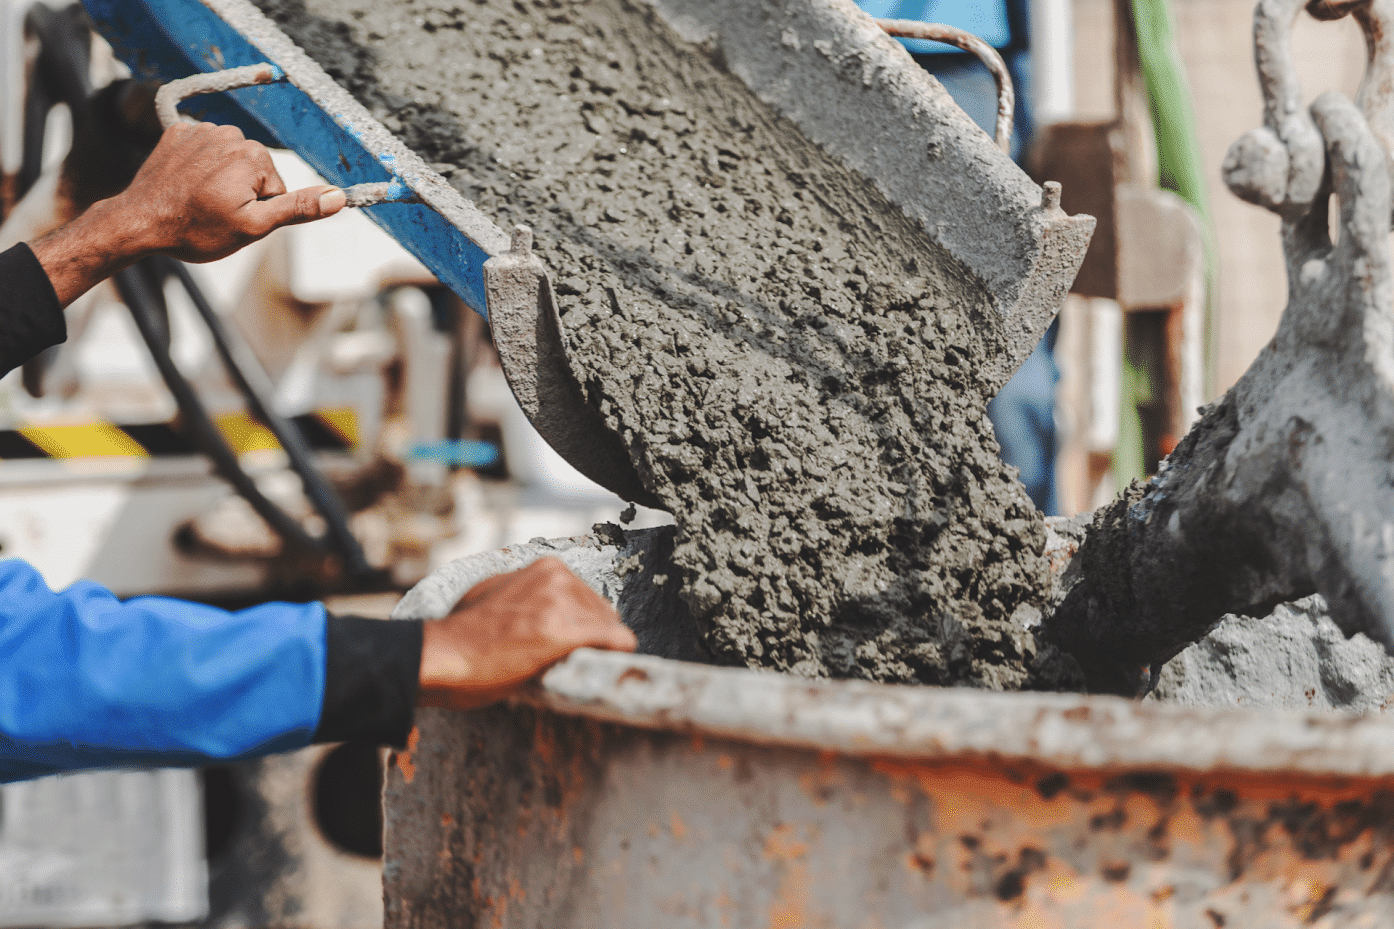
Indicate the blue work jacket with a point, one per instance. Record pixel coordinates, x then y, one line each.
87 681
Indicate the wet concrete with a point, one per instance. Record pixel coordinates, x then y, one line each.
793 365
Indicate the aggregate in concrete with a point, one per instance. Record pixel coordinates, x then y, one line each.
795 367
1295 658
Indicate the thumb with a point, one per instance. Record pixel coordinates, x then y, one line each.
299 206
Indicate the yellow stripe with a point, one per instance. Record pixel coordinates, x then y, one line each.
104 440
342 420
245 434
91 440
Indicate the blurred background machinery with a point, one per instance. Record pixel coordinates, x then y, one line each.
313 417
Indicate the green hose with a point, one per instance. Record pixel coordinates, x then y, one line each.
1179 169
1178 148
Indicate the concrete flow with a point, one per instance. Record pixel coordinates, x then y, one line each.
798 370
721 278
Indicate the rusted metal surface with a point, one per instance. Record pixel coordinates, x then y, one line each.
917 808
637 791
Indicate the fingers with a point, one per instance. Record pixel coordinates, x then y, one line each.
207 191
300 206
510 628
615 638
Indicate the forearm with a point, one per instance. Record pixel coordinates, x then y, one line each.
89 681
109 237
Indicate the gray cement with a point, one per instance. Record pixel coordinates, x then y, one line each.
1293 659
795 367
1297 658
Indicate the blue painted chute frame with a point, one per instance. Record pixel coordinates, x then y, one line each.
163 40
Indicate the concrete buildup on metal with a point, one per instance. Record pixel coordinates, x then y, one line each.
1282 489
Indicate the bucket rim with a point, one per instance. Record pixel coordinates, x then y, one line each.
927 724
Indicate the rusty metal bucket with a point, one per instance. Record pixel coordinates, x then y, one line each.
638 791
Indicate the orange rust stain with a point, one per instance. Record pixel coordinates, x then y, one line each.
1325 791
1063 886
699 743
578 854
403 759
447 820
1061 898
782 845
725 762
790 907
920 860
1303 895
633 674
818 784
544 745
725 904
678 826
653 830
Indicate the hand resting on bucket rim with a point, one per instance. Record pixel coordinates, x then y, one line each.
508 629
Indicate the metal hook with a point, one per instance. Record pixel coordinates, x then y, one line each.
1280 166
937 32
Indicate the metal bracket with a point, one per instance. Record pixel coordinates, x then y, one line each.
527 332
169 96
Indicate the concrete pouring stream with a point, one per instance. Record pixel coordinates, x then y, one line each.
790 361
793 365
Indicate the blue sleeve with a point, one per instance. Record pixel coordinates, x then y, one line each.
87 681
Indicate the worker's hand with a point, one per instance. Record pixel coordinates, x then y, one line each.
509 629
206 191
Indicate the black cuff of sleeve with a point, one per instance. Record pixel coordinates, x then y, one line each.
372 672
29 311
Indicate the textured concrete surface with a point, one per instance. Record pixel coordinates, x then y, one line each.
721 276
1294 658
631 569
